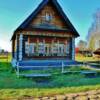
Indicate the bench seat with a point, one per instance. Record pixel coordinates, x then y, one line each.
89 73
35 75
33 67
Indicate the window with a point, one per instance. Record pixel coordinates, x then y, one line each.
47 50
26 48
67 48
61 49
55 49
47 17
29 48
41 48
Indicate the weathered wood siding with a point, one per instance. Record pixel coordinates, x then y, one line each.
33 39
46 33
57 20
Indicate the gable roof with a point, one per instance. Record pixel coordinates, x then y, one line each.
41 5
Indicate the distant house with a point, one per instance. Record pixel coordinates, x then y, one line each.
47 34
94 33
82 45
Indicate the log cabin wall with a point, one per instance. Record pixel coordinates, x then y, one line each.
46 33
33 39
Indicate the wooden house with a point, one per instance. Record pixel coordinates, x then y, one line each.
47 34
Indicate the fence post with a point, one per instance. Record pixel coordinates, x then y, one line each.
17 70
62 67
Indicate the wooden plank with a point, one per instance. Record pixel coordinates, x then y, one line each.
66 72
30 67
35 75
89 73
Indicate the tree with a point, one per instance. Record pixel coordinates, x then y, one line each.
82 45
93 36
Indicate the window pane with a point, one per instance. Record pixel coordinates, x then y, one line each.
41 48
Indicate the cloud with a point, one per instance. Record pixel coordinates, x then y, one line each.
6 45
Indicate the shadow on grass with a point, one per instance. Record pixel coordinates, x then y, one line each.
9 80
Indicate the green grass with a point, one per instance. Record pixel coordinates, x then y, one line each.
85 59
36 92
13 87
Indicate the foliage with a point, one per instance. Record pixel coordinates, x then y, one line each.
82 45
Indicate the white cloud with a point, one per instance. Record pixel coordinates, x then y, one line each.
5 44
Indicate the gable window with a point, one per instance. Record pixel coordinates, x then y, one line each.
48 17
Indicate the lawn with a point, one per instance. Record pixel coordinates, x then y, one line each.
13 87
80 57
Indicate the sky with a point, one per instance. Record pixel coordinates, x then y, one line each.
14 12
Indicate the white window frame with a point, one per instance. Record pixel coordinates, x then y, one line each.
48 17
55 49
61 52
26 48
68 48
41 48
29 46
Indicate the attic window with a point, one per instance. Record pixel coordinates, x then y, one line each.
47 17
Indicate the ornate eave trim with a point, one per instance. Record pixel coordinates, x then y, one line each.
47 34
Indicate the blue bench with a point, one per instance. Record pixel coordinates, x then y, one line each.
89 73
35 75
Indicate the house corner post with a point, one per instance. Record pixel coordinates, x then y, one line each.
13 48
17 47
73 48
20 47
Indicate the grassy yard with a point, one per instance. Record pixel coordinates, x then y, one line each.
84 59
13 87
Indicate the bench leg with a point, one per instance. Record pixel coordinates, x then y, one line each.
17 71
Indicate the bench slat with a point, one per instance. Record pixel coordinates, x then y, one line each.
35 75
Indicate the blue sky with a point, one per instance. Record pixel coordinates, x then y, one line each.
14 12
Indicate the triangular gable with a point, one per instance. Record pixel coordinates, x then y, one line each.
38 9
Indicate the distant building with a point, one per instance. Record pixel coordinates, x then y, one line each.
82 45
47 34
94 33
